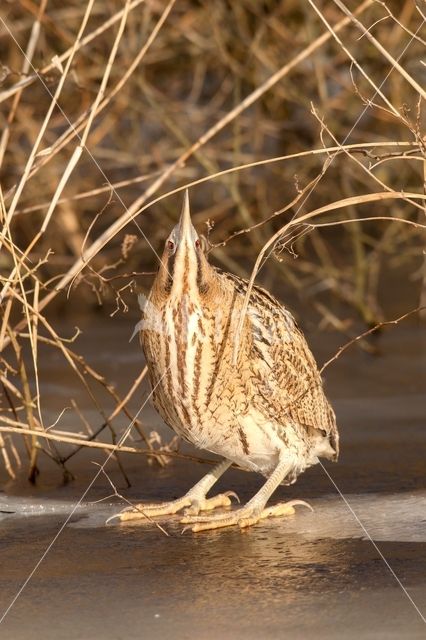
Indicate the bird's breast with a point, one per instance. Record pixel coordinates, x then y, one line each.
183 358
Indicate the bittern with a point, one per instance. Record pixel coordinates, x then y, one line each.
261 406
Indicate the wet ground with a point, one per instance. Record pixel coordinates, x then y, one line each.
355 568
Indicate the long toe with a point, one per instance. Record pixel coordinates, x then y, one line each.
208 504
191 503
244 517
216 521
147 511
275 511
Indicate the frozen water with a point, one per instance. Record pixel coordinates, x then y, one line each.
310 576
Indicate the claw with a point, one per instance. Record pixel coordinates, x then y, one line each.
232 494
302 503
115 516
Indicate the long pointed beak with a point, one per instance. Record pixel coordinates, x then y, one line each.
186 230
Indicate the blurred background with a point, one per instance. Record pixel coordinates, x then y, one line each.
267 111
299 129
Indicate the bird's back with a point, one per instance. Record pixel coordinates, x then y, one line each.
288 384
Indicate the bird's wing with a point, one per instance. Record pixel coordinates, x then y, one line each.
288 383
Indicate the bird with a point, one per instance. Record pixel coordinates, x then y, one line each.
262 408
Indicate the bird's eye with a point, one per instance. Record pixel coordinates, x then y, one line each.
170 245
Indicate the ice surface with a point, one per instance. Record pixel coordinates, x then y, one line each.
310 576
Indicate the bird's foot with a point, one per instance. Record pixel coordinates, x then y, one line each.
208 504
192 503
244 517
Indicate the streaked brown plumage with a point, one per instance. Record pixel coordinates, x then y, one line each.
268 413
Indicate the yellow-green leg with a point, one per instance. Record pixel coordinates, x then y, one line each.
193 501
253 511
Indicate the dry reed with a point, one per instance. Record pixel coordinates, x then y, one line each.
299 128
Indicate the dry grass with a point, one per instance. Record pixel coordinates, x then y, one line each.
298 126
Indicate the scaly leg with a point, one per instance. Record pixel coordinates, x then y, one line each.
254 510
194 501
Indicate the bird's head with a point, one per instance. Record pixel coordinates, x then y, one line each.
184 268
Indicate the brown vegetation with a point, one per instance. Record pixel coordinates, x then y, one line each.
298 126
